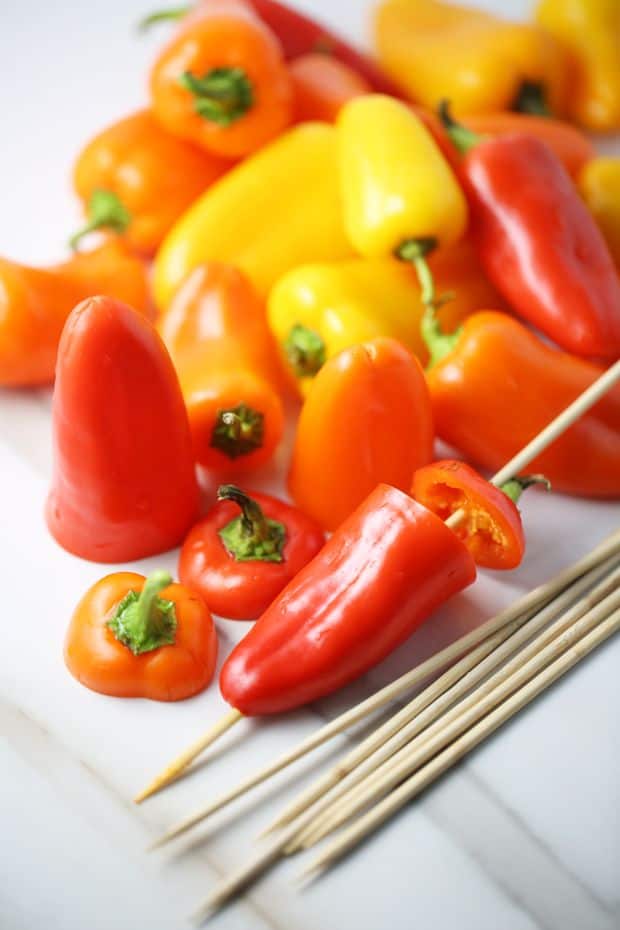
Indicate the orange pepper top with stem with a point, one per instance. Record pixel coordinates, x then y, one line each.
136 179
222 81
366 420
35 302
216 332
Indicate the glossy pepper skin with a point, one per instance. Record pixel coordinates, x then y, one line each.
590 31
492 529
571 146
179 668
478 61
240 567
501 377
222 82
35 302
366 420
540 246
396 184
339 304
599 184
378 578
217 335
322 85
123 485
278 209
136 179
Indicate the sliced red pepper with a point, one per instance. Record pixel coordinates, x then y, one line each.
240 562
377 579
491 526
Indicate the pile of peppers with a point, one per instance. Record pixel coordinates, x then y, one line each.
303 260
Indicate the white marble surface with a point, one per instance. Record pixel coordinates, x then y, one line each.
525 834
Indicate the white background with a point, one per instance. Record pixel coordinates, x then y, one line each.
524 835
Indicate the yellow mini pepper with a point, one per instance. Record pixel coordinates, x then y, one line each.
590 30
316 311
399 193
481 63
277 209
599 183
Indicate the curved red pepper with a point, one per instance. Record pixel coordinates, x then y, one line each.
388 566
239 573
538 242
491 528
124 484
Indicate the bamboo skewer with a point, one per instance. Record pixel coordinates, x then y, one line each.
520 461
468 741
340 773
573 625
403 727
271 853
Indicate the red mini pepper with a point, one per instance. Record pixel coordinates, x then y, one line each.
240 563
301 35
378 578
491 526
124 485
537 241
132 636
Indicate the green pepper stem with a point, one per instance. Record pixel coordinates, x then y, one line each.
250 537
516 486
144 621
238 431
222 95
305 350
462 137
532 98
415 252
163 16
105 210
438 343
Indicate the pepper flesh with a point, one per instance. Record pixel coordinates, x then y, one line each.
366 420
97 659
242 590
278 209
501 377
132 160
217 335
35 303
378 578
322 85
123 485
221 82
599 184
396 185
539 245
491 527
476 60
349 302
590 31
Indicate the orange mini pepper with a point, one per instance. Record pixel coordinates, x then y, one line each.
35 302
366 420
491 525
228 365
322 85
132 636
136 179
222 81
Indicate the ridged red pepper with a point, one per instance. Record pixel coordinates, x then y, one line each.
378 578
124 484
538 243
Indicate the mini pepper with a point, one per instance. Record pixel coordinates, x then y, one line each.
599 183
132 636
245 550
136 179
376 580
123 484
